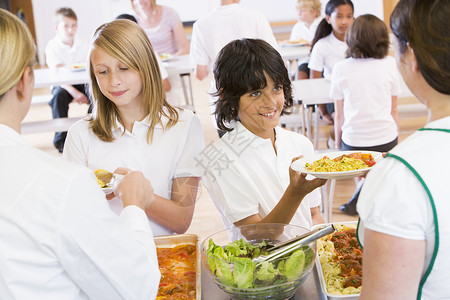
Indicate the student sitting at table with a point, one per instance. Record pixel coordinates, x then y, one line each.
133 126
58 238
328 47
304 30
65 50
247 172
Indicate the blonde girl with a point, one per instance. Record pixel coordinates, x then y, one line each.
133 126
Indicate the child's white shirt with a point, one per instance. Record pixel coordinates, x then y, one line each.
366 86
326 53
301 31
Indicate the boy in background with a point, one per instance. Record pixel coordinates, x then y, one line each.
64 50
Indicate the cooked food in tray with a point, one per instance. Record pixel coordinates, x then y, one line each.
178 272
341 261
346 162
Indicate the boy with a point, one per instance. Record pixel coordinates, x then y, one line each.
64 50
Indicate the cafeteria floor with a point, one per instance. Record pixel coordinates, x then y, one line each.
206 218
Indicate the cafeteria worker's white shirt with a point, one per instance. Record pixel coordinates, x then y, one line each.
58 238
169 156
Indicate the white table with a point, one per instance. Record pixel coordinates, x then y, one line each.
312 92
292 54
59 76
182 65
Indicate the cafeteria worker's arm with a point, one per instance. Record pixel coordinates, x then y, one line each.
392 266
108 256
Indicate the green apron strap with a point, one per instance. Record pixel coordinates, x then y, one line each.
436 224
434 129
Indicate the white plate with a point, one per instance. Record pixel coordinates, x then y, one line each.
299 165
287 44
165 57
77 68
108 190
320 272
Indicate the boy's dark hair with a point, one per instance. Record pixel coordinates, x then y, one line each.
367 37
126 17
240 68
423 25
324 29
65 12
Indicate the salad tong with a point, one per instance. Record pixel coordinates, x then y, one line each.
282 248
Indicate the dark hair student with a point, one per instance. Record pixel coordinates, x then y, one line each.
324 28
240 68
367 37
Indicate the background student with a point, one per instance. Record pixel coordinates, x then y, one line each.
304 30
58 238
328 47
65 50
364 87
404 203
135 127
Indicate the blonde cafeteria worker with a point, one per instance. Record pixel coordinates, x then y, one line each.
58 237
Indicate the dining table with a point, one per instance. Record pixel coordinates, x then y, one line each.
46 77
308 290
292 54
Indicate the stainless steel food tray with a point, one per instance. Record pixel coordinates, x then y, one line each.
169 241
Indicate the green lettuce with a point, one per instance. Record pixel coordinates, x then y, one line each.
243 268
293 266
233 265
266 272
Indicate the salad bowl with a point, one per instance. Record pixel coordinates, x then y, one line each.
228 256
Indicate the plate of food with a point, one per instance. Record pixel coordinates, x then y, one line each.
338 165
77 67
106 180
339 263
297 43
165 56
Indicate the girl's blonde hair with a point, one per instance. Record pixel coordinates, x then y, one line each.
313 5
16 50
127 42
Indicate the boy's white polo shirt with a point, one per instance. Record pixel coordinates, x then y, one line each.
245 177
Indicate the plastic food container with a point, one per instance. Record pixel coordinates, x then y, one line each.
323 286
169 241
